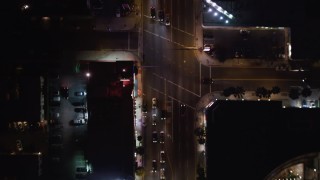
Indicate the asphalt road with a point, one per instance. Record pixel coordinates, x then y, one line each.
171 74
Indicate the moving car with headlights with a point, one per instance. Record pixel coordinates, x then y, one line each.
162 137
153 12
162 175
154 166
154 137
154 102
162 157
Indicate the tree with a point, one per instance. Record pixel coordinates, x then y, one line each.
275 90
140 171
140 150
199 131
201 140
294 93
306 92
139 138
261 92
227 92
239 92
201 173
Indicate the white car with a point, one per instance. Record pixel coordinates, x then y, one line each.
79 121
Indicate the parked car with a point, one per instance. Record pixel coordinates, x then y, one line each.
64 92
80 110
81 172
144 108
79 121
80 93
207 80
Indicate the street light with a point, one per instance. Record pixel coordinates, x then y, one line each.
88 74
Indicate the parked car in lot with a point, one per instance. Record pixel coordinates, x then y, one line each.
207 80
64 92
80 93
79 121
55 140
81 172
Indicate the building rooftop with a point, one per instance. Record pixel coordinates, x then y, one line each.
249 139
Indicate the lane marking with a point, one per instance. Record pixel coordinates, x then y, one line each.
161 77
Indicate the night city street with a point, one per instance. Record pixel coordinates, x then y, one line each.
159 89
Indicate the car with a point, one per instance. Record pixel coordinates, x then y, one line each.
162 175
245 34
80 93
144 108
163 115
78 103
161 15
153 12
208 47
182 109
207 80
154 137
162 157
79 121
154 166
154 112
167 21
161 137
154 102
19 145
81 172
64 92
55 93
154 121
56 98
80 110
55 140
82 115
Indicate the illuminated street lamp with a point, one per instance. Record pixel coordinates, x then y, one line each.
88 74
